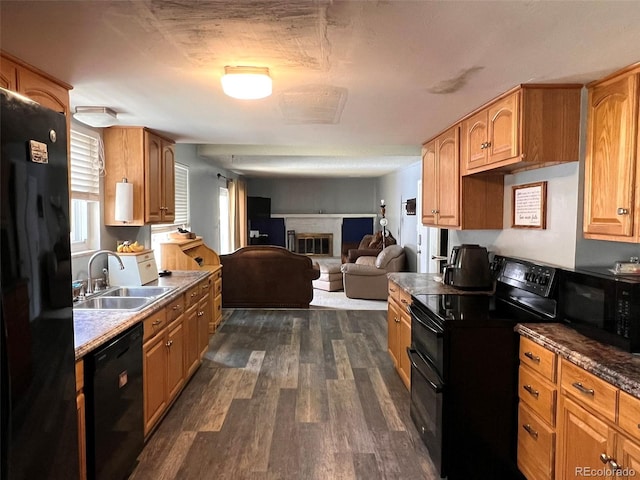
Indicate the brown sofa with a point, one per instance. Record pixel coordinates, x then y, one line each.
370 246
267 277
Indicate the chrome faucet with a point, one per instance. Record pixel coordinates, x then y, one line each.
93 257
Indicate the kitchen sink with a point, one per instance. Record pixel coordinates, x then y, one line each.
105 302
138 291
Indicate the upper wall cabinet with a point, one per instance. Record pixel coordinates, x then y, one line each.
611 204
530 126
147 160
452 201
17 76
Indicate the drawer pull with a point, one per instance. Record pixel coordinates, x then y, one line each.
403 301
604 458
176 307
156 323
194 294
583 389
530 430
531 356
531 390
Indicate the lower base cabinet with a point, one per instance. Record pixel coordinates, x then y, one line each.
399 331
164 372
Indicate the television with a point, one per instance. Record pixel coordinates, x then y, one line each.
258 207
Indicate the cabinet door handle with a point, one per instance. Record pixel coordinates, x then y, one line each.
604 458
200 313
583 389
487 145
531 356
169 343
483 146
531 390
530 430
623 211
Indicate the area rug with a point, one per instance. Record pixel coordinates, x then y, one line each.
339 301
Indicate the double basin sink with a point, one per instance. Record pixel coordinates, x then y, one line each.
123 298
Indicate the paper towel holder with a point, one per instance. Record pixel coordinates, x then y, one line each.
124 201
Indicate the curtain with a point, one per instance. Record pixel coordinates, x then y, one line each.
238 213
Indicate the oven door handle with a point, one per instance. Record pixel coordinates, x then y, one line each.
411 354
432 329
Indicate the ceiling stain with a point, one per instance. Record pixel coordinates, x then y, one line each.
313 104
454 84
277 33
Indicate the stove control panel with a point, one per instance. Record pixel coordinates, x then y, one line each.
526 275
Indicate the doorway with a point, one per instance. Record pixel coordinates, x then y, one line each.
225 221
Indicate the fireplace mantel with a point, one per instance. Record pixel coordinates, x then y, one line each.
320 223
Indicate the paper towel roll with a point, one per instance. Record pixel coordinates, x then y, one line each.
124 202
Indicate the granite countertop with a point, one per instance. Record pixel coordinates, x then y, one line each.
429 284
619 368
93 328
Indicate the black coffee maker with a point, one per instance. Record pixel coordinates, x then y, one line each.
468 268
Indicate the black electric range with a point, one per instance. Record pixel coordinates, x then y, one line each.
464 357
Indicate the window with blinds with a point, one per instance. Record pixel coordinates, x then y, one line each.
181 195
85 160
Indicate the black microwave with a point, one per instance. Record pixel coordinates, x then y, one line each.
602 306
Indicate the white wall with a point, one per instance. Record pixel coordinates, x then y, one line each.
315 195
396 188
557 243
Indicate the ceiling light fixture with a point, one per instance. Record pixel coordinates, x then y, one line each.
96 116
246 83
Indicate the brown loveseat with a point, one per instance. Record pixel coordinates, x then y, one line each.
267 277
370 246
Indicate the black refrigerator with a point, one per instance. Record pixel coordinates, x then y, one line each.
37 398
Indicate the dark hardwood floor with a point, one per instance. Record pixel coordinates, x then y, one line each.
291 394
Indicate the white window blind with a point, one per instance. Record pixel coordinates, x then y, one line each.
85 158
181 195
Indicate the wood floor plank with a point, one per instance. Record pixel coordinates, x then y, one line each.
270 403
311 401
387 405
343 365
215 401
250 375
284 464
349 428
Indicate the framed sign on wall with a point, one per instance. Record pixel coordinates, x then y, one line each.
529 205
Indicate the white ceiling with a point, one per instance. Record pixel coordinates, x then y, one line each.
358 85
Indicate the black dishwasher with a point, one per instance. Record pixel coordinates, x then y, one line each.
114 402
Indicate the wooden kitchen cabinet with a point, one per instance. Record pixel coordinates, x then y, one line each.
35 84
82 426
537 396
192 345
147 160
205 313
530 126
452 201
399 330
164 373
182 255
597 425
611 206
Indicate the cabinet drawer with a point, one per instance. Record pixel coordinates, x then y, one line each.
204 287
537 394
629 414
404 300
394 290
536 446
589 390
175 309
192 296
154 324
538 358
